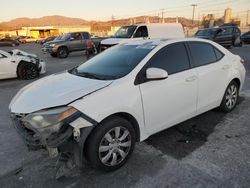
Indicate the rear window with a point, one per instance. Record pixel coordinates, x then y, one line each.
218 53
202 53
86 35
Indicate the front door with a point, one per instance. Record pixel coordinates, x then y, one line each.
172 100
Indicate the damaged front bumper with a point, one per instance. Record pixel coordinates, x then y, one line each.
70 137
38 139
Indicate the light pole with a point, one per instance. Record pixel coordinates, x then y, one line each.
193 5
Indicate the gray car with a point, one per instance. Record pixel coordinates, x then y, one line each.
70 42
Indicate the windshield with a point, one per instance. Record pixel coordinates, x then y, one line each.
113 63
125 32
206 32
58 38
65 37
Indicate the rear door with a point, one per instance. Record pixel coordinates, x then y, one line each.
213 70
172 100
225 37
7 67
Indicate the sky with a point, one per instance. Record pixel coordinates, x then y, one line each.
102 10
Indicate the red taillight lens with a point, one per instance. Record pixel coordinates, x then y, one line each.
89 44
242 61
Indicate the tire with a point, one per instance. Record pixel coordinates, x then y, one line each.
231 94
116 150
27 71
62 52
53 55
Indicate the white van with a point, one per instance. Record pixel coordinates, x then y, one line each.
144 31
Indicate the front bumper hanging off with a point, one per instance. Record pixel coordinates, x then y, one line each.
72 133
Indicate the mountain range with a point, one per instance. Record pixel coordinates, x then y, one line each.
57 20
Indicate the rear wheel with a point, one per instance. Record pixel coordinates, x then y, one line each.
230 98
111 144
62 52
27 71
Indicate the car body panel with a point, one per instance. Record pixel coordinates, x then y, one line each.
166 30
225 36
59 89
100 99
169 101
9 63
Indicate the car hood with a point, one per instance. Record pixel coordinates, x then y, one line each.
113 41
54 42
23 53
55 90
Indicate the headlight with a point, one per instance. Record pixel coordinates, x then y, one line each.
46 118
52 45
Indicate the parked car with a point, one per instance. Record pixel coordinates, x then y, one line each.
47 39
8 42
28 39
143 31
20 64
245 38
227 36
98 110
70 42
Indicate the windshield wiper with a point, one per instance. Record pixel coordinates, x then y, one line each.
92 75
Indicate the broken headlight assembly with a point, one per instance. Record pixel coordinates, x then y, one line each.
50 118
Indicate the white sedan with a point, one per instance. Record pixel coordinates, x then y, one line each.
99 109
20 64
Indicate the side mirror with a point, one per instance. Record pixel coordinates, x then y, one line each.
156 74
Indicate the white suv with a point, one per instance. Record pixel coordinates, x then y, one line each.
97 111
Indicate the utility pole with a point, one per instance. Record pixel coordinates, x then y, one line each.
247 18
112 20
162 15
193 5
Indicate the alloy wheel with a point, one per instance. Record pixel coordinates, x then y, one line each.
115 146
231 96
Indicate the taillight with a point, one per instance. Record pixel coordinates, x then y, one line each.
89 44
242 61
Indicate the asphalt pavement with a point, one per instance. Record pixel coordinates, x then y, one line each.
211 150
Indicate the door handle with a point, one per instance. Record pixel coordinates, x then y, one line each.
190 79
225 67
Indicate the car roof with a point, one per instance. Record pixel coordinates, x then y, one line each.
157 42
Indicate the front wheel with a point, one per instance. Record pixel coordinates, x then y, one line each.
230 98
111 144
27 71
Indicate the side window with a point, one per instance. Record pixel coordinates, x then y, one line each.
218 53
85 36
172 58
226 31
202 53
76 36
236 30
141 32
